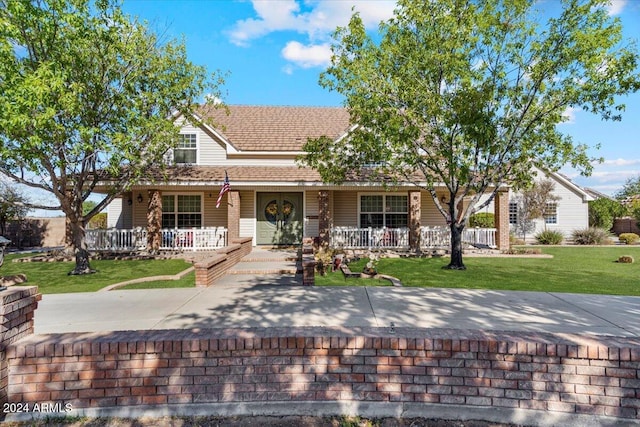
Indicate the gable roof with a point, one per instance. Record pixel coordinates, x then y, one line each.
275 128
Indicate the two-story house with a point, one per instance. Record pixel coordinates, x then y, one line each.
271 198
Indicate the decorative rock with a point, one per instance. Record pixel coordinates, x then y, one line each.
13 280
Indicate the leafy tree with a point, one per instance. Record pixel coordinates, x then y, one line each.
467 95
12 205
630 188
87 92
604 211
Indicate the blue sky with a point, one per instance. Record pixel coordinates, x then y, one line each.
275 50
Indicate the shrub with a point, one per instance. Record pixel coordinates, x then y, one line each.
591 236
625 259
549 237
482 220
629 238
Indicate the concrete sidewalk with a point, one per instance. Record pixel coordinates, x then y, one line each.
255 301
264 290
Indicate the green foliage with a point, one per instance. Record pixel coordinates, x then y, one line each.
634 211
88 93
469 93
12 205
549 237
629 238
630 188
98 221
482 220
591 236
604 211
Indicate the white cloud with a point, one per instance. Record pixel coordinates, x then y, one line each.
622 162
307 56
570 115
608 177
317 22
616 7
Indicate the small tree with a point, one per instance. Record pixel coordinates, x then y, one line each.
630 188
534 203
13 205
603 212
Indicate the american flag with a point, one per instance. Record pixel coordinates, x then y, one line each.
226 186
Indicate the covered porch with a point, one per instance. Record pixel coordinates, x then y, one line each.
188 220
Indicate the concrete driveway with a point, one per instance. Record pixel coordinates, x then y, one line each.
254 301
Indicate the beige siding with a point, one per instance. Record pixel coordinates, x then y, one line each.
311 214
430 215
139 210
210 152
345 209
214 217
247 214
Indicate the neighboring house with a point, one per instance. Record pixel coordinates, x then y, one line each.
277 202
570 212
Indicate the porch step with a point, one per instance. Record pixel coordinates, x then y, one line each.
264 267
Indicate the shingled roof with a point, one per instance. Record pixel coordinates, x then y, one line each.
276 128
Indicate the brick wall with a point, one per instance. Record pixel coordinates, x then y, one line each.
499 371
216 266
17 305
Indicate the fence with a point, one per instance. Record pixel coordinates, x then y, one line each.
398 238
195 239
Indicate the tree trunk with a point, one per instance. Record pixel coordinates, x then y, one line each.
154 221
79 244
456 247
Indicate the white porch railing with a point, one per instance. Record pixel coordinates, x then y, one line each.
113 239
440 237
358 238
398 238
194 239
480 237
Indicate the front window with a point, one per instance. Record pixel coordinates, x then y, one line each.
513 212
377 211
181 211
551 213
186 150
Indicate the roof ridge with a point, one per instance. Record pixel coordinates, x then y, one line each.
281 106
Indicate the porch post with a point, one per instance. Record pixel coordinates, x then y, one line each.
233 215
501 216
415 212
154 221
324 218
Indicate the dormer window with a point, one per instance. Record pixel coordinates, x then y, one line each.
186 151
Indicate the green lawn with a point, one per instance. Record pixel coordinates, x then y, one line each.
187 281
52 277
573 269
